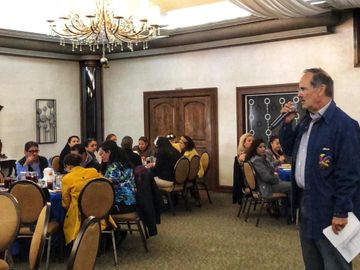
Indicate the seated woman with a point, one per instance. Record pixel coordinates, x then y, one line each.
274 153
166 158
119 170
188 150
88 161
72 183
126 145
91 148
72 140
172 138
268 181
144 148
111 137
245 142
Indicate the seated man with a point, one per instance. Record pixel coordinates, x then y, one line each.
31 161
72 183
126 145
88 161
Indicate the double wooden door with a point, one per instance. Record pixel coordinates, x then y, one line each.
190 112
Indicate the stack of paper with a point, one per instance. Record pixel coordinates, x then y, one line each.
347 242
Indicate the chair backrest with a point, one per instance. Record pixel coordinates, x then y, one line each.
55 163
39 237
31 200
181 169
194 168
9 221
96 198
2 177
8 167
249 175
204 160
85 248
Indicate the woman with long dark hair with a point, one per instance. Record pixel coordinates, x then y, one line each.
72 140
274 153
188 150
268 181
120 170
166 158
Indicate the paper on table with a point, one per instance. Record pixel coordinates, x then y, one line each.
347 242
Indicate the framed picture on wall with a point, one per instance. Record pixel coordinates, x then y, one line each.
258 107
46 121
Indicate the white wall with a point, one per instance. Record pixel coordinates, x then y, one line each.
227 68
22 80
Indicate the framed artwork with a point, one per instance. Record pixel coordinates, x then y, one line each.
46 121
258 107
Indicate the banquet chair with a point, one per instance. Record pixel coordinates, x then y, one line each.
2 177
201 182
31 200
97 199
9 224
191 184
257 198
84 251
131 219
55 163
246 191
181 172
8 167
39 238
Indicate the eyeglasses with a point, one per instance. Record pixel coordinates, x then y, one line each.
33 151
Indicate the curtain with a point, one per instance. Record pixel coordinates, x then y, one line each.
282 8
344 4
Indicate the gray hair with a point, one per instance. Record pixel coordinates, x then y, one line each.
320 77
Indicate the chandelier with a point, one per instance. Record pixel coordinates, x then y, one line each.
106 29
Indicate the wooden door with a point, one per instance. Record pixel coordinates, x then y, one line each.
189 112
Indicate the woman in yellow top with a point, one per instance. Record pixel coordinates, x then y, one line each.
188 150
72 183
172 138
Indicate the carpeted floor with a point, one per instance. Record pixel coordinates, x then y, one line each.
210 237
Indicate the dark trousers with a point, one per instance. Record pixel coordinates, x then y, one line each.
319 254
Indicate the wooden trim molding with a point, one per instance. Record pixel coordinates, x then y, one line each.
356 16
231 33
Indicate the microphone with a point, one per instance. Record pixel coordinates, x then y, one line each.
281 117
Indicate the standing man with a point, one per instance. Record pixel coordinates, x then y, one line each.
325 147
32 161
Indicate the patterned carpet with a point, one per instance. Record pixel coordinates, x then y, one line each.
210 237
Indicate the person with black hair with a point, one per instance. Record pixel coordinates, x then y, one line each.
268 181
87 160
144 148
188 150
166 158
273 153
172 138
120 170
91 148
126 145
72 140
72 183
32 161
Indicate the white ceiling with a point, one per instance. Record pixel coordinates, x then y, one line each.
31 16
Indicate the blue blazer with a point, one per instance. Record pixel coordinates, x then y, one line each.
332 169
